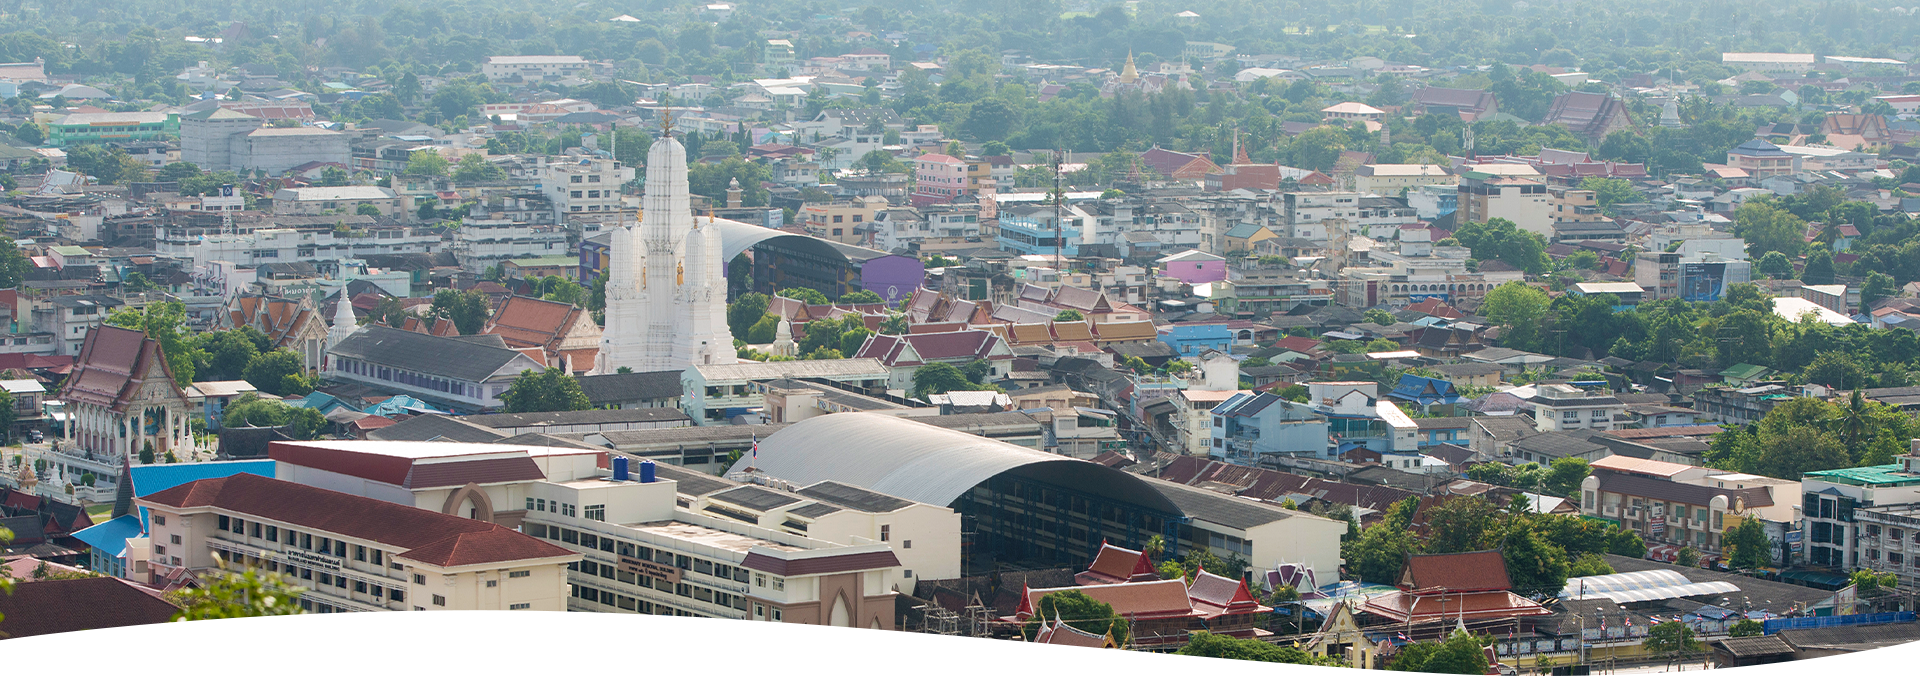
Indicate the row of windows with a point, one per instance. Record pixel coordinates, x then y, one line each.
624 602
591 178
593 541
683 588
564 508
293 538
591 194
394 375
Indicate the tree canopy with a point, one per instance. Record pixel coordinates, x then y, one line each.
549 390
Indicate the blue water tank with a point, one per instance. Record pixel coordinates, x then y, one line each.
619 468
646 471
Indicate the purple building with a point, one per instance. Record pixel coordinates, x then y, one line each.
1194 267
892 276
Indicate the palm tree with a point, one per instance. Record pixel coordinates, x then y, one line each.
1156 546
1853 422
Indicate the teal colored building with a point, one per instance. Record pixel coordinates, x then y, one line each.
84 128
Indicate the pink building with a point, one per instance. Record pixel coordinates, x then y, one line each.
938 178
1194 267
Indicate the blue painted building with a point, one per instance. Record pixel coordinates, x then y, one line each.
150 479
1190 340
1031 231
1248 425
108 545
1424 392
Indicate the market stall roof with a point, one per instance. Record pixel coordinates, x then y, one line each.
1645 585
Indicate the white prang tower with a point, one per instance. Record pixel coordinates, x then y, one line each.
666 291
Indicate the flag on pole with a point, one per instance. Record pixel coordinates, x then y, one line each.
755 463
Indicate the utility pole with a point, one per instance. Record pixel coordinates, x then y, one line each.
1059 204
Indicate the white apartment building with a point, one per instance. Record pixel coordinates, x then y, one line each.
283 245
716 393
384 556
584 185
1864 518
534 68
1564 407
664 540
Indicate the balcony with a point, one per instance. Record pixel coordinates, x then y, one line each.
1610 510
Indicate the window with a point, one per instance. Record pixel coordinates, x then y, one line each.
419 579
596 512
776 614
439 600
224 522
160 549
256 529
520 573
359 553
779 584
376 557
759 580
493 583
159 520
1570 415
908 544
174 539
885 532
575 179
397 595
530 504
520 606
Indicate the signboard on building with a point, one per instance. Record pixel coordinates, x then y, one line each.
1657 524
656 571
311 560
1793 541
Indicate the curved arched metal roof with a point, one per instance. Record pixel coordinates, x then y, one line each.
1643 585
736 238
925 463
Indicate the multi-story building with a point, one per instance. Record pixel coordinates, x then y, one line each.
1390 180
1760 159
1742 405
716 393
534 68
843 222
279 245
81 128
938 178
1565 407
463 374
486 240
351 553
68 318
1035 230
1572 205
584 185
1250 425
1864 517
1524 201
1685 505
1433 201
1303 212
717 533
345 199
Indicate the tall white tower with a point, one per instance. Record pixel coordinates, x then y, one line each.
666 294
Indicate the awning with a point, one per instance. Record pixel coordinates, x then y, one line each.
1816 578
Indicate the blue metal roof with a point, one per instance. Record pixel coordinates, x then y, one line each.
111 536
150 479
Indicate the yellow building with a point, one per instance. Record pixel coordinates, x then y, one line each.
1389 180
842 222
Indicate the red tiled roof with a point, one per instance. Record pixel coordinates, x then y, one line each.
1402 606
114 364
1462 572
1215 595
1132 600
1116 564
59 606
820 565
439 537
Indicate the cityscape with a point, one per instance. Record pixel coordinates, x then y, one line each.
1476 339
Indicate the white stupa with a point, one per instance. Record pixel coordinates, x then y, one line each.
666 290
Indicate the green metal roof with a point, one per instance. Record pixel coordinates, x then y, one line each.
1865 476
1743 372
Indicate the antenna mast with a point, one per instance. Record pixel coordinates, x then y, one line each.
1059 206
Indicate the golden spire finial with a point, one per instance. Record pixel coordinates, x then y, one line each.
666 116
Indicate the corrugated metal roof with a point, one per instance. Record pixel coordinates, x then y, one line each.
1645 585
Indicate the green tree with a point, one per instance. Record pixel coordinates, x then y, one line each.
805 295
1534 564
367 210
1879 285
473 167
862 296
166 323
1519 306
1461 653
1069 316
1588 565
1795 452
467 310
1462 524
1775 265
1819 268
852 339
224 593
268 371
937 378
1745 628
744 311
549 390
1379 553
1749 545
1869 581
1208 644
252 411
329 177
763 331
1671 640
1079 611
426 163
1502 240
1564 477
1687 556
1767 228
1610 191
1318 148
1379 316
